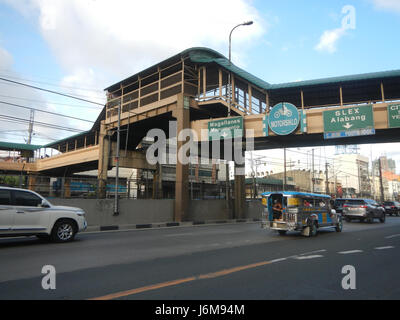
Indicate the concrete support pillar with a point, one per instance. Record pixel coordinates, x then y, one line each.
182 115
32 180
67 188
240 192
104 157
157 183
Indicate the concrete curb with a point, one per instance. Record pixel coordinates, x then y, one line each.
167 225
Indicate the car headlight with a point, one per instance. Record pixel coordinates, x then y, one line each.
80 213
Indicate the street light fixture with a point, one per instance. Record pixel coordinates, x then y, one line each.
248 23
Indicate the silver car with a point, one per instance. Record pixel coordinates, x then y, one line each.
27 213
363 210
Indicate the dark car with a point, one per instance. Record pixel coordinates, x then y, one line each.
392 207
363 210
338 204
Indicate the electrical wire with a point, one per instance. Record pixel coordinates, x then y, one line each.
55 103
49 112
50 91
53 84
42 124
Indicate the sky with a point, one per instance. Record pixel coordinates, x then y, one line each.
80 47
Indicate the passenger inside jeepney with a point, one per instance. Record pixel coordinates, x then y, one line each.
307 204
277 209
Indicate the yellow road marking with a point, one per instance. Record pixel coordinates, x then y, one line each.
180 281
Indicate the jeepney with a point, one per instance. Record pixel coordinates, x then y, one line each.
297 211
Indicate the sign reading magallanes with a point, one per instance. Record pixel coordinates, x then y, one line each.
225 129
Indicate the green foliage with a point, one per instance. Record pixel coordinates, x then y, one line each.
9 181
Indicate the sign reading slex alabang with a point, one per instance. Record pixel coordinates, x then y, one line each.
349 122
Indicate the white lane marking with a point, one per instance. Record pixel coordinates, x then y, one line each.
392 236
278 260
311 252
179 235
350 252
309 257
384 248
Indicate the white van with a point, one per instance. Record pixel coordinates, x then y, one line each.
26 213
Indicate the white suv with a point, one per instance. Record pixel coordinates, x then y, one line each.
26 213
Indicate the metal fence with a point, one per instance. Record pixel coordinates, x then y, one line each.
90 188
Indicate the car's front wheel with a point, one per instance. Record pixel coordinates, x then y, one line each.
313 229
63 231
339 225
382 219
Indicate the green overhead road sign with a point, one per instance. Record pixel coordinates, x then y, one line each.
394 116
346 119
226 128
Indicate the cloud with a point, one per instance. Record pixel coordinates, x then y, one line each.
6 60
389 5
329 39
14 130
100 42
121 37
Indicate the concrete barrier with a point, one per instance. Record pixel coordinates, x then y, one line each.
205 210
253 209
100 212
150 213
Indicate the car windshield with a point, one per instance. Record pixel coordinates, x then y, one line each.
339 202
355 202
388 203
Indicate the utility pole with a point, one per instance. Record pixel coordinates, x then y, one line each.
284 169
359 178
312 175
30 128
326 179
116 202
253 175
373 176
381 181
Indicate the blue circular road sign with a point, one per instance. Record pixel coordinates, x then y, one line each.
283 118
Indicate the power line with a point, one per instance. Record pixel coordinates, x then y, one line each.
50 91
53 84
42 124
49 112
50 102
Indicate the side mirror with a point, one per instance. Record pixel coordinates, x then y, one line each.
45 204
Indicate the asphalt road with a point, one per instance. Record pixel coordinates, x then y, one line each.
223 262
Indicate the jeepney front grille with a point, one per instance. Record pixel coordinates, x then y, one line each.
290 217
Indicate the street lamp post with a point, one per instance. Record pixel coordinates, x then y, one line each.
248 23
227 187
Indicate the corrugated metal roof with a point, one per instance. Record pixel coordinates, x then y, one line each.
337 80
264 181
207 55
49 145
295 193
10 146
